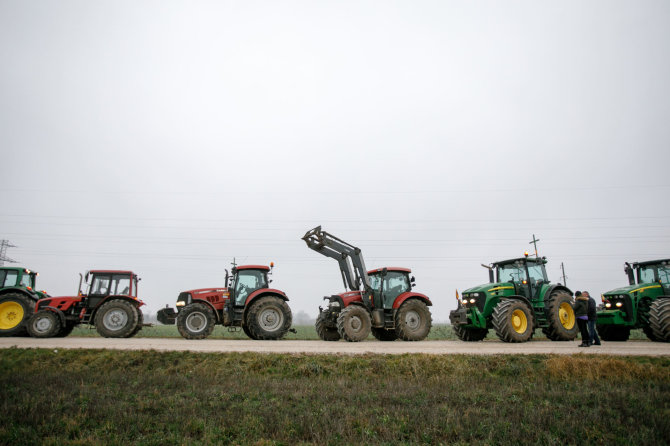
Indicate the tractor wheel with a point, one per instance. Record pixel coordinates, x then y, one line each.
67 329
382 334
196 321
470 334
650 334
615 333
325 332
269 318
413 320
513 321
15 310
116 319
353 323
561 317
246 331
659 320
44 324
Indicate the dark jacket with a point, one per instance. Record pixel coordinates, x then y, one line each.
593 315
581 306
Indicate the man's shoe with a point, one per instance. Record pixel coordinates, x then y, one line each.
596 343
583 345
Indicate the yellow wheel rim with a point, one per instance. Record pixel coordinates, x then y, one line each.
519 321
11 315
567 315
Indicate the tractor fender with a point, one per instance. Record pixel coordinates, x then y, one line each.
410 295
553 288
34 296
60 314
138 303
263 291
209 304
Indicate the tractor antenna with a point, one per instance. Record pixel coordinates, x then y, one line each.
534 243
4 244
565 282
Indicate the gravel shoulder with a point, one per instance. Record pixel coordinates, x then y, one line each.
630 348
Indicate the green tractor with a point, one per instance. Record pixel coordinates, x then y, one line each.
643 304
17 299
518 301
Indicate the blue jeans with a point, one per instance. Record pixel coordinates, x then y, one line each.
593 334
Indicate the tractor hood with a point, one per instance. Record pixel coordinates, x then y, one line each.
489 287
623 290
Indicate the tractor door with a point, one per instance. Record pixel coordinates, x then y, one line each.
664 278
99 289
395 283
537 276
246 282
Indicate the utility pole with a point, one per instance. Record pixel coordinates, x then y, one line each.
565 281
534 243
4 244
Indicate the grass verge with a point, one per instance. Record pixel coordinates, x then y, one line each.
118 397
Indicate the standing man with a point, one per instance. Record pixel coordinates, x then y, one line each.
582 313
593 316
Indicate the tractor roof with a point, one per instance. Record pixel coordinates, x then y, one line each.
652 262
18 268
390 268
262 267
110 271
541 261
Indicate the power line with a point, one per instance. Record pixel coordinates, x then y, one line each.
4 244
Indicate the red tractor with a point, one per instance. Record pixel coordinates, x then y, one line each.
245 302
385 306
110 304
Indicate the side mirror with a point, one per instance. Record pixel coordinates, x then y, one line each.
385 271
412 279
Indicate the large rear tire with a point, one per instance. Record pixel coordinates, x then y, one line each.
353 323
558 308
116 319
269 318
44 324
513 321
196 321
381 334
614 333
326 332
15 310
140 322
470 334
413 320
659 320
246 331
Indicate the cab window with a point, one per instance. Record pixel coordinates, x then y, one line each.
26 281
247 282
120 284
647 275
512 272
100 285
536 274
664 274
10 278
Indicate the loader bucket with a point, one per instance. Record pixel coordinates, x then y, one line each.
167 316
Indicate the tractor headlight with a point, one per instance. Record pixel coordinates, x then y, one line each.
472 301
180 303
334 304
475 294
608 305
619 304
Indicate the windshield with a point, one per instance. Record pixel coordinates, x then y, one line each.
10 278
664 274
647 274
110 284
28 280
247 282
512 272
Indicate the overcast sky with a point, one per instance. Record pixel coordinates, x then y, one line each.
171 137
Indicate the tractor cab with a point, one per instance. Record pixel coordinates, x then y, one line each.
245 280
389 283
18 277
102 284
527 275
656 271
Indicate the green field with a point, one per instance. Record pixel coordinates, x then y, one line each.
304 332
118 397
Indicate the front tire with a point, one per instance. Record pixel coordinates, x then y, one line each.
561 317
614 333
15 310
353 323
470 334
413 320
513 321
116 319
659 320
44 324
196 321
269 318
326 332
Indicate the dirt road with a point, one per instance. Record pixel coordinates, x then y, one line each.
635 348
